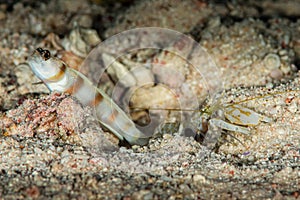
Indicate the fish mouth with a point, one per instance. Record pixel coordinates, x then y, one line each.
35 64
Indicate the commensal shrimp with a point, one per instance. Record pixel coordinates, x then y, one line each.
58 77
231 117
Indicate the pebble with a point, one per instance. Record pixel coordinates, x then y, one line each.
2 15
143 194
276 74
251 158
293 107
198 178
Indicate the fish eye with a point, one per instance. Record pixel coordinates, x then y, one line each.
46 54
40 50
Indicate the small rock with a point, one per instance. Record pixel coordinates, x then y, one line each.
2 15
143 194
293 107
198 178
276 74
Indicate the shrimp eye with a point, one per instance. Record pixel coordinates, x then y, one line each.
46 54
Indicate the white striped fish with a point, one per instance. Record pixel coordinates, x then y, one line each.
57 76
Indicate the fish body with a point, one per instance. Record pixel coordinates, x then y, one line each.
57 76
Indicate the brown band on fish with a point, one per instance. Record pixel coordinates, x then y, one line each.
59 75
112 117
76 86
98 98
